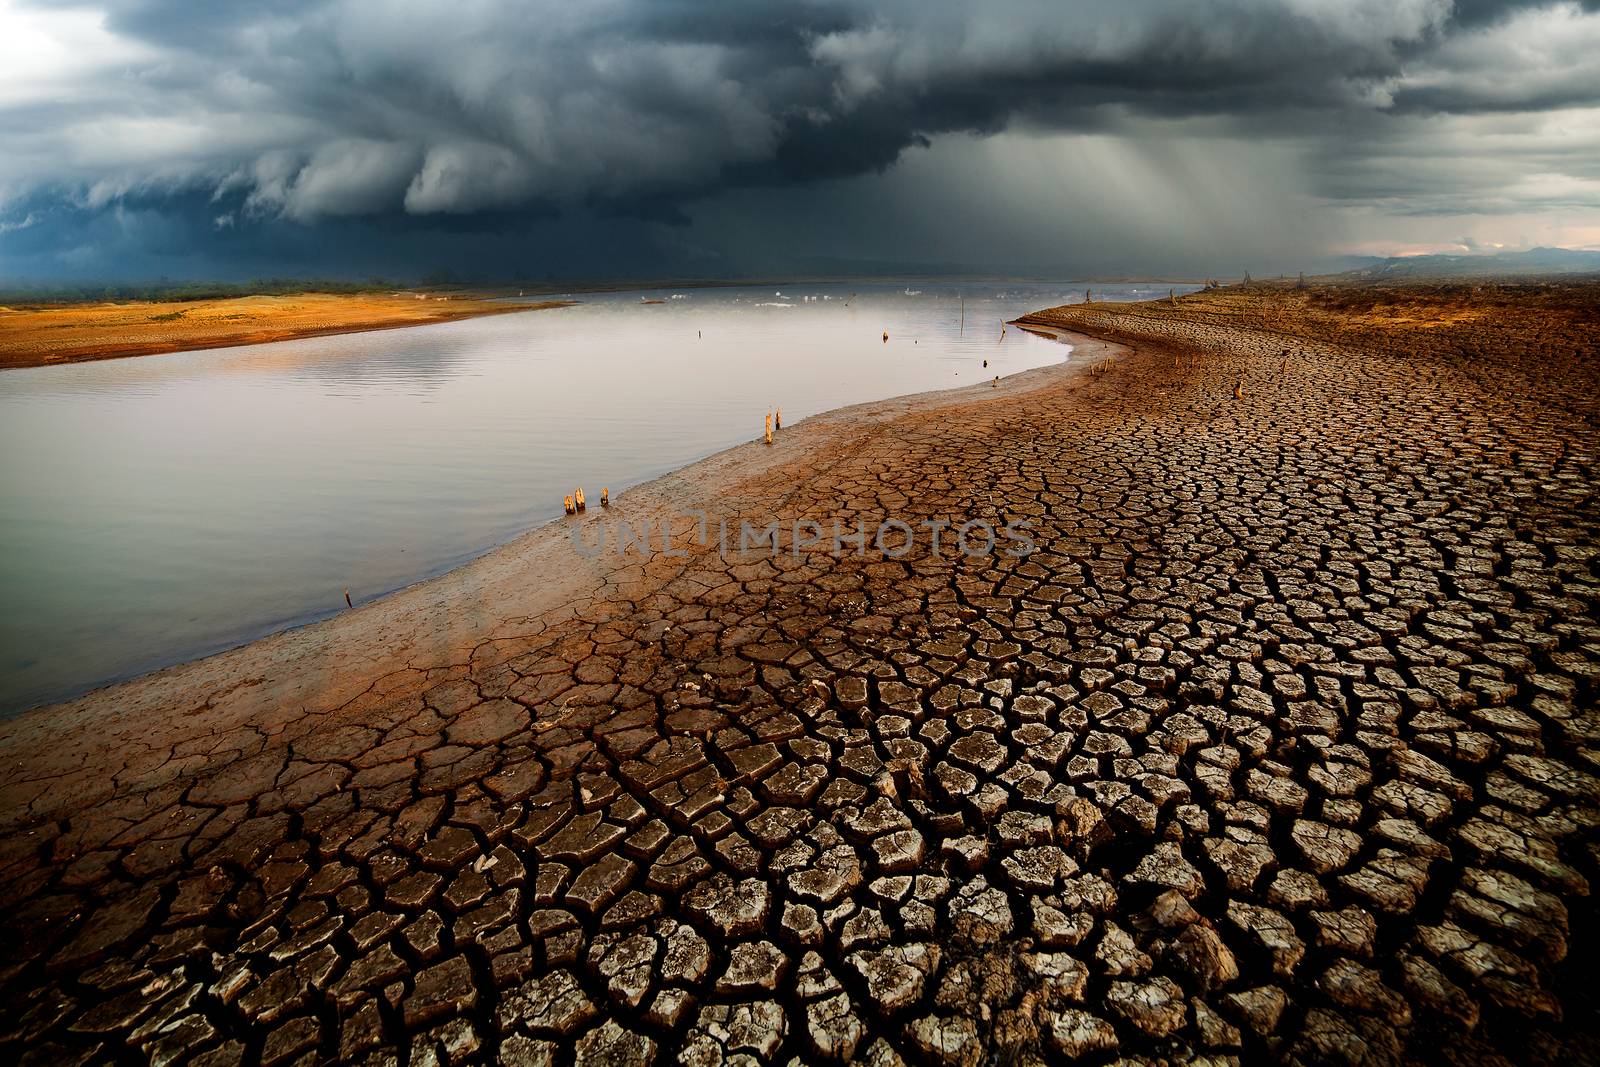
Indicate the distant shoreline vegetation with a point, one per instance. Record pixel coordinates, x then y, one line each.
181 291
447 282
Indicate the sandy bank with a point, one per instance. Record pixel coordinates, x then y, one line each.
525 585
75 333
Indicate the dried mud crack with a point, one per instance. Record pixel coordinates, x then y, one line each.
1282 747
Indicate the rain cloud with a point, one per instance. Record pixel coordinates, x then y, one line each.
357 132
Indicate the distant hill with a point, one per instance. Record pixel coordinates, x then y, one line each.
1533 262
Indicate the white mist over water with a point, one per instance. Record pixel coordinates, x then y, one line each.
159 508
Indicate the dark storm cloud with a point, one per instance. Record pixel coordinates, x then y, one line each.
365 107
312 112
1529 60
1480 12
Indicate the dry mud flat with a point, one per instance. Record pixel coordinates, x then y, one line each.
1283 747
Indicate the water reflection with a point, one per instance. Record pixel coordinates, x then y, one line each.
160 508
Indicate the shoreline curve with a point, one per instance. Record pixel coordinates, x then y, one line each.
320 645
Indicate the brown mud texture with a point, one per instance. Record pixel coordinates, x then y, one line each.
1284 746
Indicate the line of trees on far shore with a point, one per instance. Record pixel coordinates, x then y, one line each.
170 290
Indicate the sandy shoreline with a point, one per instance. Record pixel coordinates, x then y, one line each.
1284 746
536 573
51 335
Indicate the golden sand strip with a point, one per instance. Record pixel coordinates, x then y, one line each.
42 335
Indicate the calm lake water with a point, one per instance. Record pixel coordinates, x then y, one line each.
157 509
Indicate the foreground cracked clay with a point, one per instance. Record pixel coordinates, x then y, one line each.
1282 747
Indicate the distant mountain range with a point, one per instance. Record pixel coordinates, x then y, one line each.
1533 262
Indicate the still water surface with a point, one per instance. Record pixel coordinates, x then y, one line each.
161 508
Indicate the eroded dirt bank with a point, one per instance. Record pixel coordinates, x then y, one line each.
1283 745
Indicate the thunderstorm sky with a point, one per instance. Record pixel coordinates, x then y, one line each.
612 139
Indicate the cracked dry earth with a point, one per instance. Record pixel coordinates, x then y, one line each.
1282 747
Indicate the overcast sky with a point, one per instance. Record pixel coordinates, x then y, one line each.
626 138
